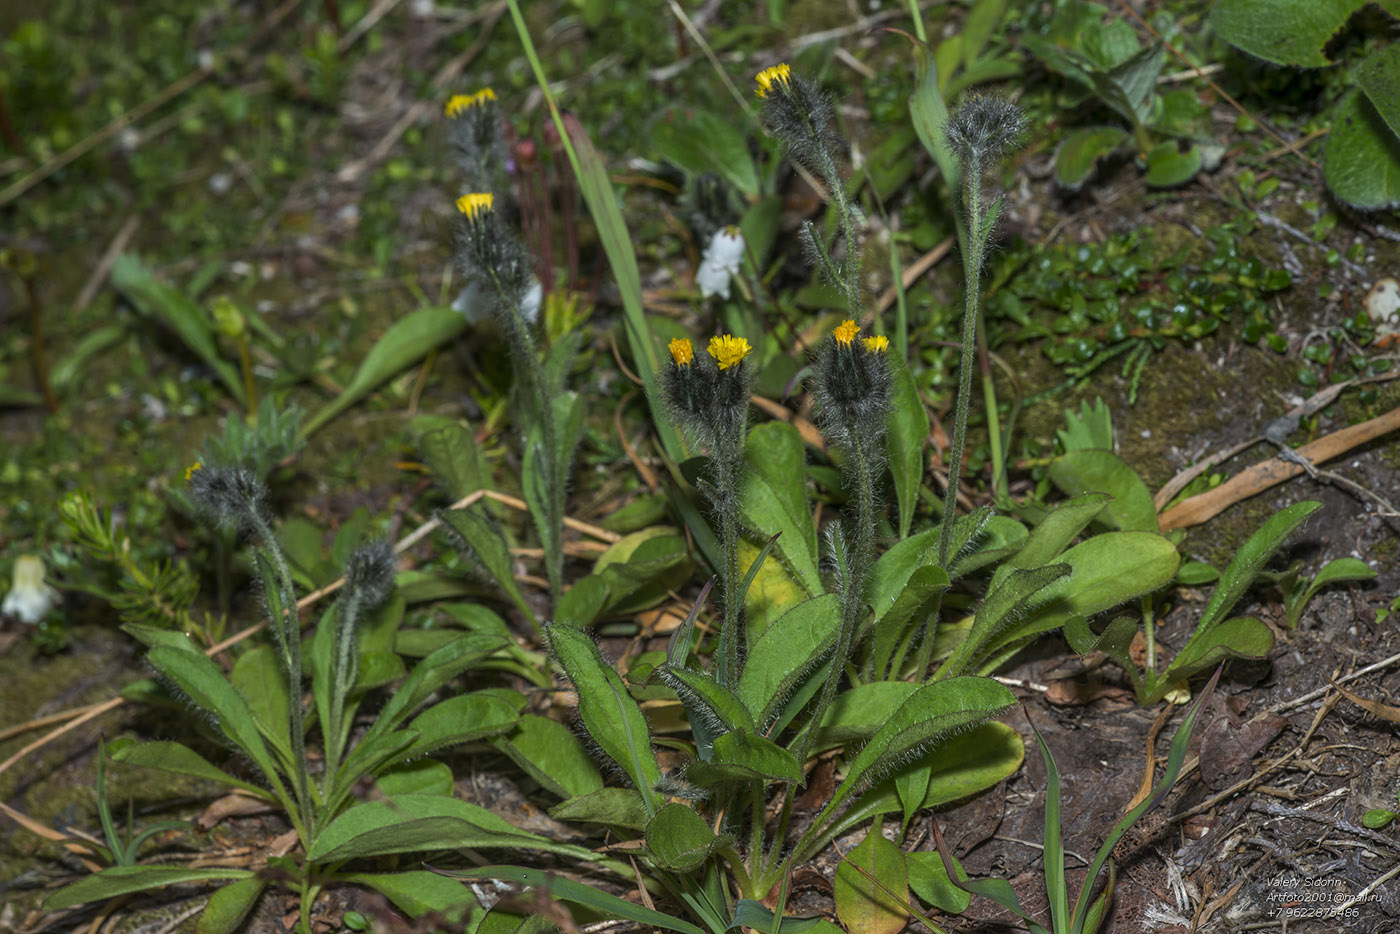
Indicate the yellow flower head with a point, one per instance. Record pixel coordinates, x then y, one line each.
476 206
189 471
878 344
729 350
779 76
846 332
459 104
681 351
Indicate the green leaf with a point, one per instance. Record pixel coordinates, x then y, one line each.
182 760
1333 572
1361 156
1107 570
1011 602
743 756
1053 849
1054 534
229 906
1128 86
552 755
1115 640
68 373
786 653
700 142
439 667
175 310
488 548
461 719
451 453
911 610
775 498
751 914
929 114
1379 79
931 714
858 712
928 879
1378 818
1168 166
1091 427
907 441
1081 150
1252 557
258 677
679 839
642 569
412 822
1240 637
203 683
408 340
556 887
419 892
611 716
421 776
616 807
872 887
582 603
1284 32
1083 471
123 880
705 700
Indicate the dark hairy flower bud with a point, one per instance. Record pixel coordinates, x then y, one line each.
370 573
230 496
984 129
474 132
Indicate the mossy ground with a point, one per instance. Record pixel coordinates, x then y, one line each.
236 192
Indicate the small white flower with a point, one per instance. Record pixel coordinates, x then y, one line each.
721 262
29 599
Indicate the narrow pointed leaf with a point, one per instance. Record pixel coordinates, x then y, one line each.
123 880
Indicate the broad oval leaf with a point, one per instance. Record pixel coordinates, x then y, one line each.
1361 156
1241 637
616 807
419 892
1283 32
742 756
679 839
1090 471
1081 150
871 887
226 908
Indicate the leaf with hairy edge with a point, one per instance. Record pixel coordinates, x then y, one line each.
679 839
229 906
435 670
1284 32
1253 555
488 547
567 890
123 880
1054 534
182 760
872 887
742 755
705 699
1003 608
257 676
609 713
616 807
408 823
932 713
1240 637
202 681
785 653
908 439
858 712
